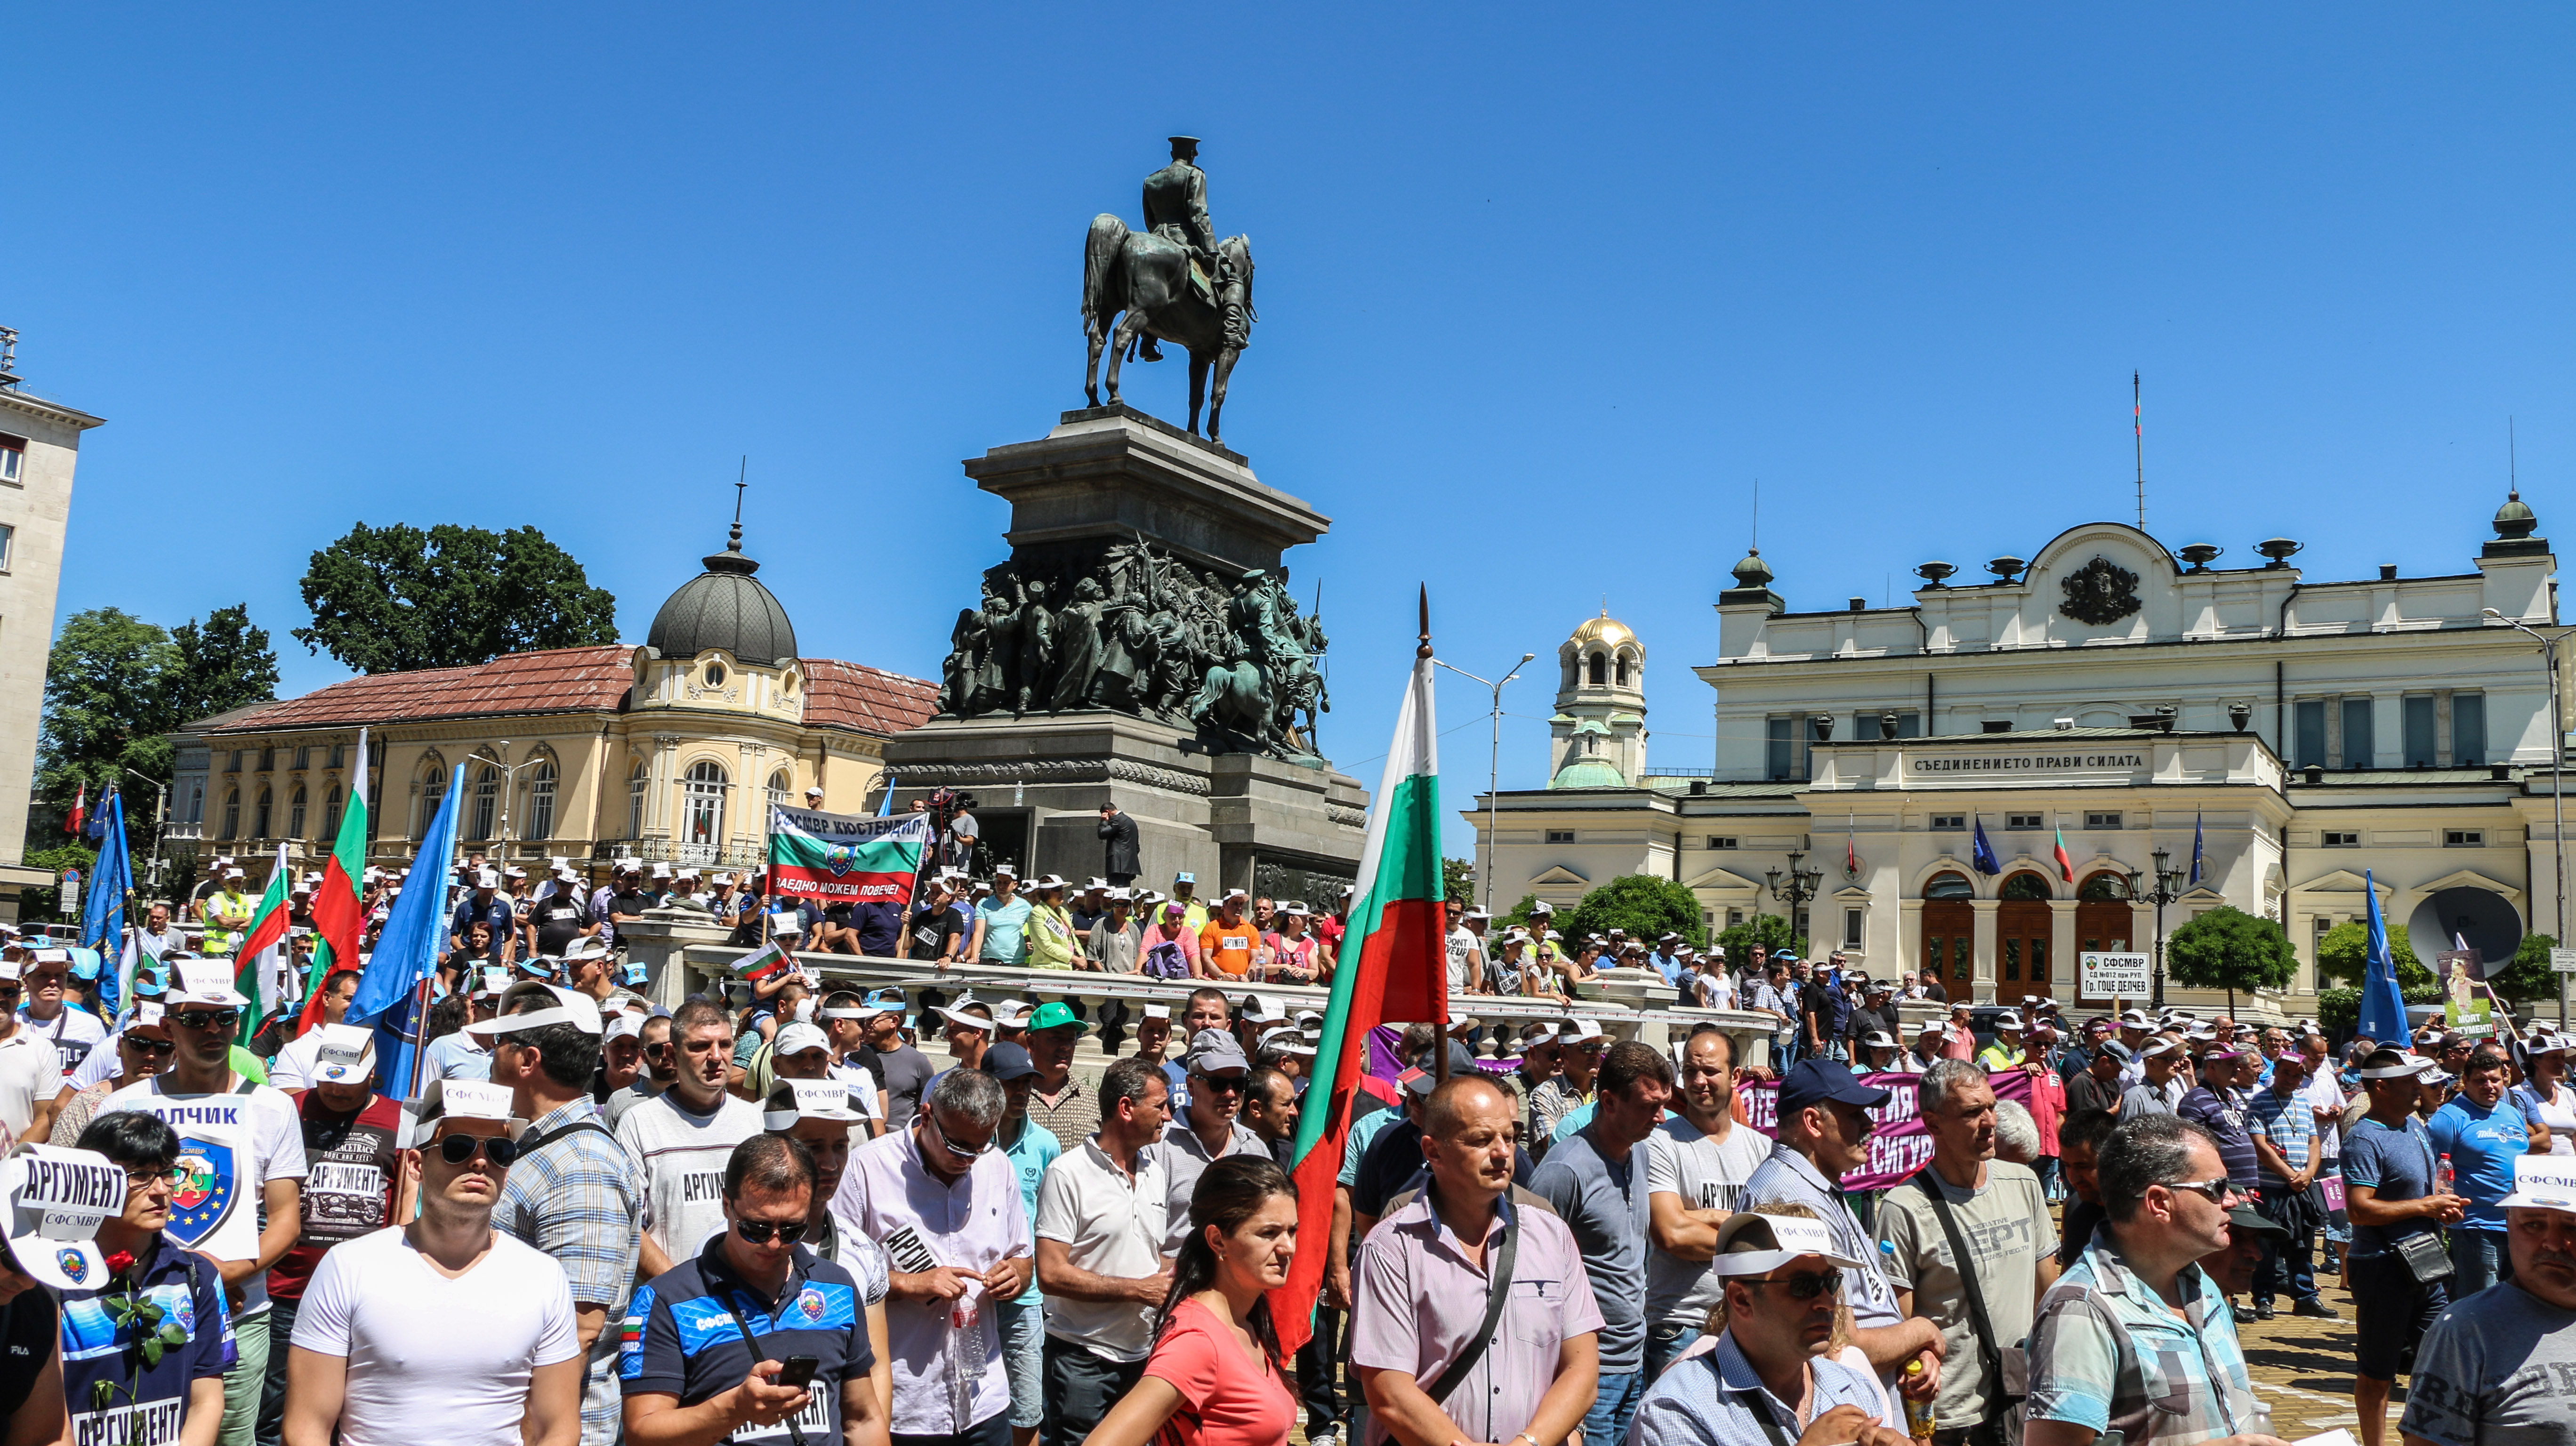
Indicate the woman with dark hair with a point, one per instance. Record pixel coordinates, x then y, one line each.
178 1393
1216 1377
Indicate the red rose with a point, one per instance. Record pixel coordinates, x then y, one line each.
120 1262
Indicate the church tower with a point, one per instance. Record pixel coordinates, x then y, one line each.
1598 736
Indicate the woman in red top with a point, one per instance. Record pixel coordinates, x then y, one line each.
1216 1377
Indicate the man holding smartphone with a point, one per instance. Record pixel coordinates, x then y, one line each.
756 1339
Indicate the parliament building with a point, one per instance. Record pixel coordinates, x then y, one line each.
2131 698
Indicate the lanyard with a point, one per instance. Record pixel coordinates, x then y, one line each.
750 1343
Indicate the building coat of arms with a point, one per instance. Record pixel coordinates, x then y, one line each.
2099 592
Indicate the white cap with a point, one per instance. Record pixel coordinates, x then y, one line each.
592 947
207 982
488 879
814 1099
2154 1047
797 1038
626 1025
661 871
51 1203
460 1099
962 1018
346 1053
1012 1013
1579 1031
568 1007
2542 1182
2008 1020
812 789
1788 1236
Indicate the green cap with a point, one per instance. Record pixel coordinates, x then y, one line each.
1055 1014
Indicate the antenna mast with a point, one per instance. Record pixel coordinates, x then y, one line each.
2138 429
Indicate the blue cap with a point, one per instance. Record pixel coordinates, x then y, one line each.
84 963
884 1001
147 981
1824 1081
1007 1062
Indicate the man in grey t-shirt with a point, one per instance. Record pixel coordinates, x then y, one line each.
1594 1180
1696 1166
2499 1368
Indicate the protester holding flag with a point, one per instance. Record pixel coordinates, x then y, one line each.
251 1146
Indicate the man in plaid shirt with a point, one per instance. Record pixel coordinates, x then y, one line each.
2280 1115
575 1193
2137 1296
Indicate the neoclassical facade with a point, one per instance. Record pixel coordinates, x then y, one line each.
668 751
2308 733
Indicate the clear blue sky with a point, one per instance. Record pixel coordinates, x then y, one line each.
1542 295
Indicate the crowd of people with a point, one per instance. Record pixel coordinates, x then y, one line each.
790 1211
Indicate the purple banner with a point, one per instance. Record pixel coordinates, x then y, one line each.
1900 1143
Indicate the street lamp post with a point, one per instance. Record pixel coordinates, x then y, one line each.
1493 763
509 785
2557 818
1802 885
160 822
2168 888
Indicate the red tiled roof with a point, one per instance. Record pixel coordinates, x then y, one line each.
868 700
557 680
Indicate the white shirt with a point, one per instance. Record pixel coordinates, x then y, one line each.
2322 1091
684 1157
30 1074
863 1087
376 1302
293 1067
73 1033
1109 1225
888 1195
232 1145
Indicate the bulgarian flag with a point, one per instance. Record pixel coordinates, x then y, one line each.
768 960
1394 967
337 917
2065 865
256 958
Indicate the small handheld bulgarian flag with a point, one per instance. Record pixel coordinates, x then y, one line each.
2065 865
260 954
767 961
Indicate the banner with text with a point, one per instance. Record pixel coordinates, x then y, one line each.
1901 1142
838 858
2103 975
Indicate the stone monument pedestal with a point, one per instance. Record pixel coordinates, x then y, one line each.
1109 478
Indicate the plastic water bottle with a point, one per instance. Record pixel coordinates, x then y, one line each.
2442 1176
965 1356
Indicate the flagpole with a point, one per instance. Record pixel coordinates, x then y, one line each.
1440 1045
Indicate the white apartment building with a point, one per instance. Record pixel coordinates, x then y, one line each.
39 447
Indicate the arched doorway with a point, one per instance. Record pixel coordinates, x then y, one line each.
1949 931
2023 923
2103 918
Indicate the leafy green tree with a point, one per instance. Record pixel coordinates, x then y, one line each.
1458 881
1644 905
223 663
2528 976
105 683
2227 948
45 903
390 599
1771 931
1520 913
2343 956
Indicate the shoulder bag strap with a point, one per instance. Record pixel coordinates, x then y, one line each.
530 1144
1988 1358
750 1342
1497 1296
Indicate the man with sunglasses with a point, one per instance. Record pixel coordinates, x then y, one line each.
1780 1276
31 1069
244 1145
2138 1295
352 1146
48 1012
1206 1130
140 1050
659 1067
2392 1194
115 1395
946 1205
445 1328
688 1384
1824 1130
576 1194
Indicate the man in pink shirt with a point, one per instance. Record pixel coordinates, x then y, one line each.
1961 1043
1426 1275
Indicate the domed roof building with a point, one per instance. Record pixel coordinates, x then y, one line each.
1598 735
666 752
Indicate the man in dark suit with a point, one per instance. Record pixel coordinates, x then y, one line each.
1118 833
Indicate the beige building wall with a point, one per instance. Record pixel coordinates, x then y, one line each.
35 507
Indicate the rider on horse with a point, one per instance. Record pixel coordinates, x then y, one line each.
1176 210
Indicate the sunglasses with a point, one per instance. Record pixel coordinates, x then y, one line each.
154 1047
2214 1191
1805 1285
951 1146
1216 1085
501 1150
206 1018
761 1232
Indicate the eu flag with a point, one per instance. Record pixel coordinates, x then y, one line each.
2383 1004
407 952
1981 853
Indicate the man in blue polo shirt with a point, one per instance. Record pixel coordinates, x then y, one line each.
2484 1133
693 1371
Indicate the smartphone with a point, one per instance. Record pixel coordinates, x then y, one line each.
797 1372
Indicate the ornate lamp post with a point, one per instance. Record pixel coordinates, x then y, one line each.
2168 888
1493 760
1802 885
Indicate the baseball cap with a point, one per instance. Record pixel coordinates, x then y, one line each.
1877 1039
346 1052
206 982
797 1038
2246 1217
791 1100
882 1001
1820 1081
2540 1182
1751 1243
53 1201
2008 1020
553 1004
1055 1014
1214 1049
459 1099
1007 1062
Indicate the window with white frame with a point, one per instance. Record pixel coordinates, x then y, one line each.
1950 822
1851 928
636 780
541 800
8 547
2023 820
13 458
2464 838
1721 841
703 807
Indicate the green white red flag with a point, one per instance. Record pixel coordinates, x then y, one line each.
339 920
1394 967
2065 865
255 958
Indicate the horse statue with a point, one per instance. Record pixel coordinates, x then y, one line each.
1163 294
1234 698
